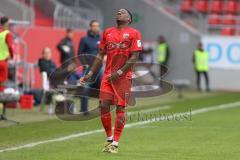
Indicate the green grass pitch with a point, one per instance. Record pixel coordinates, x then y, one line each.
213 135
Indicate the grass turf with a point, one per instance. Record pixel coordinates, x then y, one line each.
212 135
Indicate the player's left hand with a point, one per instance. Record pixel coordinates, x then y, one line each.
113 77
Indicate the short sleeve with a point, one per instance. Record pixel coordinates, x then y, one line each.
102 41
136 42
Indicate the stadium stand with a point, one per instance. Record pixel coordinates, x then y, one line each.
84 10
201 6
186 6
63 14
231 7
216 6
16 10
46 17
220 16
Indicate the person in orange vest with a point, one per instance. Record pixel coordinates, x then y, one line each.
6 49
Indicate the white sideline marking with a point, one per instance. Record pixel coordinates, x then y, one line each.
194 112
149 110
197 111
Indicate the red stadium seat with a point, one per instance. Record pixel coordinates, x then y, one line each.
216 6
231 7
229 20
214 19
228 31
186 6
201 6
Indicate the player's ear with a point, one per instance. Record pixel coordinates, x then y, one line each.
129 21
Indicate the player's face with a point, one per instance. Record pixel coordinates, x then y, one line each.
200 46
6 25
47 54
122 15
95 27
161 39
70 34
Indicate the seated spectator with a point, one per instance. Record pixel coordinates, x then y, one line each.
45 63
48 66
55 76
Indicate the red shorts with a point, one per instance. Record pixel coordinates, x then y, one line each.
3 71
118 92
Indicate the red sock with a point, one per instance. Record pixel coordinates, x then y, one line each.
119 123
106 121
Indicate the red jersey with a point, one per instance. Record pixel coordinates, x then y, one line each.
118 44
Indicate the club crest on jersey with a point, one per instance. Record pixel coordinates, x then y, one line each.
125 35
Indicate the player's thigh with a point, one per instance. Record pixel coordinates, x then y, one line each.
122 90
106 92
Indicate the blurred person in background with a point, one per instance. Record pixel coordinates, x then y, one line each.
67 55
200 61
55 76
163 51
66 47
6 50
45 63
89 45
48 66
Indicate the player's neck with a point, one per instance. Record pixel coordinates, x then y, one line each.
122 25
4 28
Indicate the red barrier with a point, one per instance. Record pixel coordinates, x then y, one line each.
39 37
26 101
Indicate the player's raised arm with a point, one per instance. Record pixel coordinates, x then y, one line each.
94 68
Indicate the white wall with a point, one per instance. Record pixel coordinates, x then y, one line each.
224 53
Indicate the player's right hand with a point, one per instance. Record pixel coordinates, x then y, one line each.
84 79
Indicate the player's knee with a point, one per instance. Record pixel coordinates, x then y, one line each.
104 107
120 109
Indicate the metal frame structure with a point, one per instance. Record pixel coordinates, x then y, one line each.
75 16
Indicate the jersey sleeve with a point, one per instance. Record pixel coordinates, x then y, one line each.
103 41
136 42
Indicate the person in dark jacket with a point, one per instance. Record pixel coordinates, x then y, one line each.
55 75
66 47
45 63
89 45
